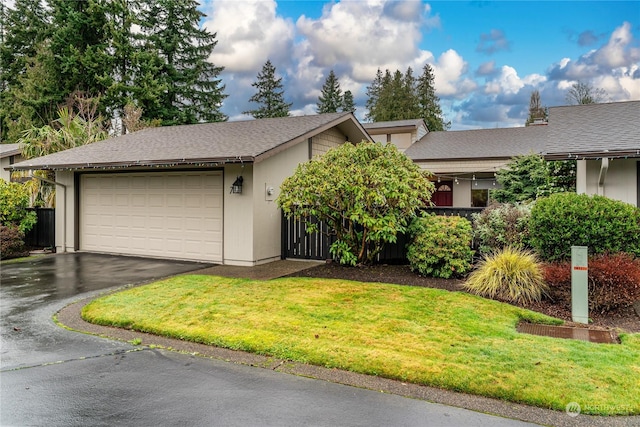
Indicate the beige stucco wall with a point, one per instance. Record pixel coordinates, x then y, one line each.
621 182
401 140
4 163
267 219
237 239
462 194
65 212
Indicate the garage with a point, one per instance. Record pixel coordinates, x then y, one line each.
169 214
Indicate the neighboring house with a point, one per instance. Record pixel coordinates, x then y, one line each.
605 141
402 133
9 154
166 192
603 138
464 163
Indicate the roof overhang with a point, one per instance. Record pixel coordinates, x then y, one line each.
593 155
141 164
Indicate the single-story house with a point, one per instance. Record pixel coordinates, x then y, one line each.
464 163
203 192
401 133
9 154
604 139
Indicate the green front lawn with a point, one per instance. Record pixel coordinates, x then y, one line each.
425 336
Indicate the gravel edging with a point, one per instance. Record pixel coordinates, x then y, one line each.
70 318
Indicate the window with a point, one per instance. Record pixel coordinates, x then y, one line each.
479 198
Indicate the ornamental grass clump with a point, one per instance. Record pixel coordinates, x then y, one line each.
512 275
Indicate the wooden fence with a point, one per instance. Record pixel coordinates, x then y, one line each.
43 233
297 243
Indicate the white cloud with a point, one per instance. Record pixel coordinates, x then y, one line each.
617 52
347 32
506 82
248 32
449 73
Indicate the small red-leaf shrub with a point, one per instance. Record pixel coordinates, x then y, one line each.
12 243
614 281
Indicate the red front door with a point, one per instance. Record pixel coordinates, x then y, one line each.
443 196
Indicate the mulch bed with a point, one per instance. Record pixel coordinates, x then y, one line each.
626 319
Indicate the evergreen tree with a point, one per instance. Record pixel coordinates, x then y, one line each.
408 98
401 96
429 102
330 99
79 42
192 89
386 103
23 29
536 111
270 95
347 102
124 54
373 95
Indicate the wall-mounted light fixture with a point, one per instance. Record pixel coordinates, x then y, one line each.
236 187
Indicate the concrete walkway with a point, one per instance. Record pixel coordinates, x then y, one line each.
268 271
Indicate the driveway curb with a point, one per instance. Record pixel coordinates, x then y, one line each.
70 318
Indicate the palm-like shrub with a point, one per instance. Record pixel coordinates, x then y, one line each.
512 275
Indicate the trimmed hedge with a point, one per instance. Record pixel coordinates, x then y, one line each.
567 219
441 246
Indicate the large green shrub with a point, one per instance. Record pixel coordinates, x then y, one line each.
441 246
366 193
530 176
14 201
567 219
502 225
512 275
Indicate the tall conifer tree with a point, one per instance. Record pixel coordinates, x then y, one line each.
429 102
330 99
347 102
270 95
23 29
192 89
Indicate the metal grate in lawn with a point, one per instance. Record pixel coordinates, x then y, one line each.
584 334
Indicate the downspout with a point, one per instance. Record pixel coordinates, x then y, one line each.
64 196
604 167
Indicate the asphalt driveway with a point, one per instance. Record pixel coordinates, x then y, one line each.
53 376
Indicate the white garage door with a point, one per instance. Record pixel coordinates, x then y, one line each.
169 215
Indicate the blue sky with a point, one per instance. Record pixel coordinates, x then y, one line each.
487 56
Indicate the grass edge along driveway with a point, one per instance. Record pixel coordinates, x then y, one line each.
450 340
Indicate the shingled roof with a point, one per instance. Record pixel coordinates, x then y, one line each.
479 144
594 130
575 131
206 143
7 150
